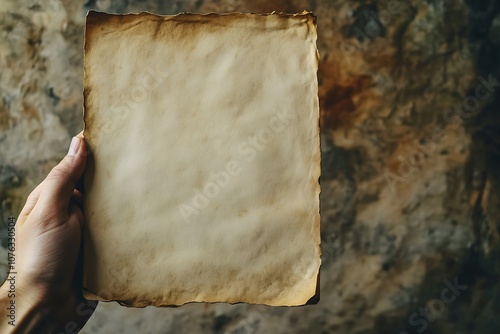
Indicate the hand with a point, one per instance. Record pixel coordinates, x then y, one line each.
48 262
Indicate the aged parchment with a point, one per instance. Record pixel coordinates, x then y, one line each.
202 185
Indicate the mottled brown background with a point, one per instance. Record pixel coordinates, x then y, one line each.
409 199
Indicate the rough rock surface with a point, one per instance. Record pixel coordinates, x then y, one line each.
410 184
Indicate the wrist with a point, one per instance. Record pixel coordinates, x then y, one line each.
7 310
21 307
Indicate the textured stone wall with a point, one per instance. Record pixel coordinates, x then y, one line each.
411 159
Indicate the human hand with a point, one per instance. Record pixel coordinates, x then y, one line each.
48 265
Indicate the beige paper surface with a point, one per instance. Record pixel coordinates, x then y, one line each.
202 185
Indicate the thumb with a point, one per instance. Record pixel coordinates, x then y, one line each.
58 187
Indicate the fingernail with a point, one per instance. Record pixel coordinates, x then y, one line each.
74 146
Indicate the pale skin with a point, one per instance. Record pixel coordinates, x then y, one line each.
48 297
